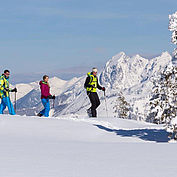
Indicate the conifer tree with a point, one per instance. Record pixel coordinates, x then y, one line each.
163 104
122 107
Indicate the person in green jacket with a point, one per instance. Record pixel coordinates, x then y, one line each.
91 85
4 93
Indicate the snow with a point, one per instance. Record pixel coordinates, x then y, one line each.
24 89
174 121
131 76
81 147
173 22
173 29
57 87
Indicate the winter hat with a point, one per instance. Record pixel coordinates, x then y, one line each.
94 70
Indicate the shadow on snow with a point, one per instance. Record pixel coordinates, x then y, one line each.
159 136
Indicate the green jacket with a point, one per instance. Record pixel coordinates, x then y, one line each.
4 83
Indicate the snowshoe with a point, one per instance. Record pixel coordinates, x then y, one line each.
89 112
170 135
39 114
172 141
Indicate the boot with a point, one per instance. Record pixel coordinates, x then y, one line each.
39 114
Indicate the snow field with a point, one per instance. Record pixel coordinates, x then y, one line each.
82 147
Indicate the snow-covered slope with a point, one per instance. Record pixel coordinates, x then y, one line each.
58 85
24 89
129 76
71 147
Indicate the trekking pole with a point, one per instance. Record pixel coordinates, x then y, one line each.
53 103
106 104
15 101
10 104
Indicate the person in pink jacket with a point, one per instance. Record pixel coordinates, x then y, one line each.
45 96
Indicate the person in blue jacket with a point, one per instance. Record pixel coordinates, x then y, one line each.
4 93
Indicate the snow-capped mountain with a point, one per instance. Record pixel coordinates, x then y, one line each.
57 87
130 76
122 71
28 96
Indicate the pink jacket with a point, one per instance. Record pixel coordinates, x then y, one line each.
45 89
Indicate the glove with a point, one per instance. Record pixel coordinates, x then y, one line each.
6 89
103 88
14 90
50 97
88 93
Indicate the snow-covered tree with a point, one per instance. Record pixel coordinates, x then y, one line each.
173 29
122 107
163 104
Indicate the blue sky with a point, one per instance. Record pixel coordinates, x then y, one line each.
47 35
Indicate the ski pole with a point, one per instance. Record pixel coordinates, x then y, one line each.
106 104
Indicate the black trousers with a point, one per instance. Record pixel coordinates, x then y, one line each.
95 101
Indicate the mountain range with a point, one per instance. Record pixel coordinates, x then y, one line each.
131 77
